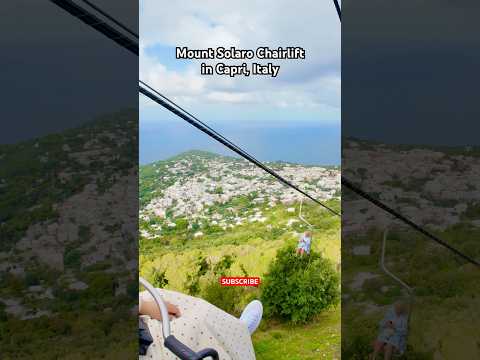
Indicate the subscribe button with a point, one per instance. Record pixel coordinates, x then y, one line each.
239 281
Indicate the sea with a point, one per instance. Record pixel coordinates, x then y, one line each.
306 143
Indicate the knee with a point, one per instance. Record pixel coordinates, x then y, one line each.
378 345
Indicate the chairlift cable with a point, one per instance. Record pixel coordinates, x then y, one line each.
339 10
109 17
95 22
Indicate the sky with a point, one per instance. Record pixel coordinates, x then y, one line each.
409 71
57 72
306 93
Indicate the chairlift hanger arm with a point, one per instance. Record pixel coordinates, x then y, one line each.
301 216
384 268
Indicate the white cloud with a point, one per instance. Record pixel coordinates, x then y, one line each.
310 83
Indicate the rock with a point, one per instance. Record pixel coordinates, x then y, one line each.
361 250
78 285
291 221
360 278
35 288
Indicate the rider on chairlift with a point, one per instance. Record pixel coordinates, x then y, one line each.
304 243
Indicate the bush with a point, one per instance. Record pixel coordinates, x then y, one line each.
225 298
72 258
296 288
181 224
159 278
32 278
192 282
228 299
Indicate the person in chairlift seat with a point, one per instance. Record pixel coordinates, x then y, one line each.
393 332
304 243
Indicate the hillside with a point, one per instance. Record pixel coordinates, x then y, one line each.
202 211
437 188
68 241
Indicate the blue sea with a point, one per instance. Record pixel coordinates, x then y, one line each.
304 143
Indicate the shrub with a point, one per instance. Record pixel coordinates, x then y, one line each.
228 299
72 258
225 298
296 288
222 267
192 282
181 224
159 278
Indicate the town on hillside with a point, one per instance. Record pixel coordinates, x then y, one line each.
193 186
437 188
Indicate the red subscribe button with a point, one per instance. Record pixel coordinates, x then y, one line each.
239 281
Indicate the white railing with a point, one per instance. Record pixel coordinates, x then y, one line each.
161 305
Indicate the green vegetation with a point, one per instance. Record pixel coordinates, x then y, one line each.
296 288
445 301
74 335
38 177
29 173
179 259
320 339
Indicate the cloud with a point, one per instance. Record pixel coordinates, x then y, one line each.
311 83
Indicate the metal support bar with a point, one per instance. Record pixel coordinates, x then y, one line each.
161 305
384 268
301 217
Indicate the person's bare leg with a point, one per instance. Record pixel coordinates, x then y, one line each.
377 347
388 350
